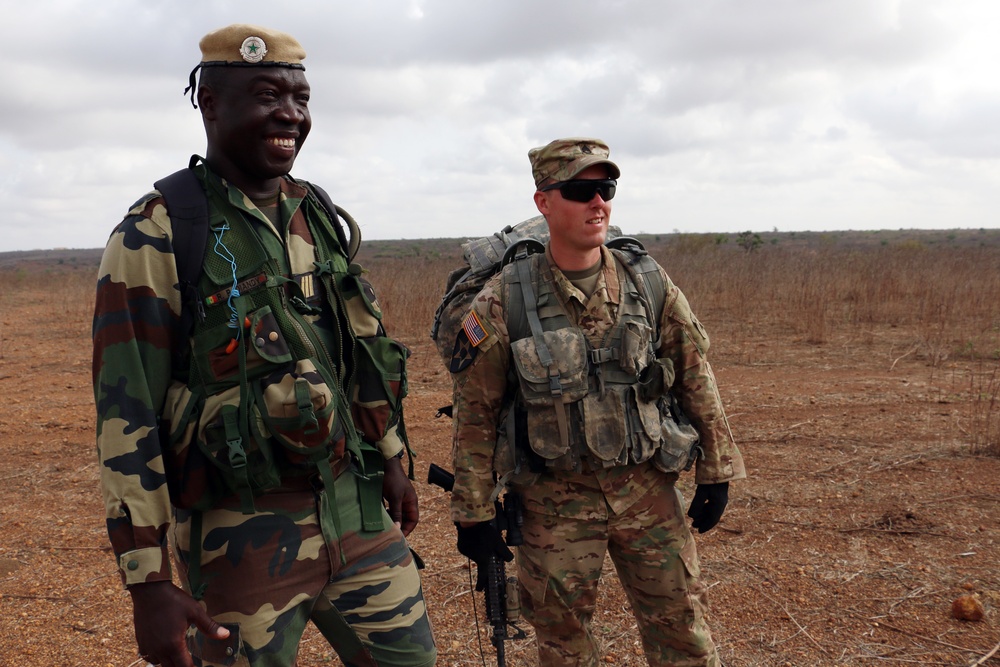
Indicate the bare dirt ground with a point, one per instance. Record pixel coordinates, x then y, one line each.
864 516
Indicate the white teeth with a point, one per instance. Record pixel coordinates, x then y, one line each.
283 143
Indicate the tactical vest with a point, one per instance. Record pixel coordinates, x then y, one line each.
580 405
265 398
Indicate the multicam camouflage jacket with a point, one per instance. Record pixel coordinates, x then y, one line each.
288 360
482 392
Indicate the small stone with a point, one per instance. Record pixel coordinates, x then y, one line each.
967 608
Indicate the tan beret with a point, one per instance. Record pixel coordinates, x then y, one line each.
563 159
251 44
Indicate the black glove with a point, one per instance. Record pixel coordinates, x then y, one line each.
479 542
708 504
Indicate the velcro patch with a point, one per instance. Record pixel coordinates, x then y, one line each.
474 329
463 353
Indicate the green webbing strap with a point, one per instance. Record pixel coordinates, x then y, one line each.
544 356
195 584
371 465
237 457
326 474
307 415
243 423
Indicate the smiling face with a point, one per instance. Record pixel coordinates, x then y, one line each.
256 120
577 230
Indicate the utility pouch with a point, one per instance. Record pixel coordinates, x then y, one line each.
656 380
679 440
635 347
605 427
553 388
297 407
210 456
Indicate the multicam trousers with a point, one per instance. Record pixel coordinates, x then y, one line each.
267 574
654 553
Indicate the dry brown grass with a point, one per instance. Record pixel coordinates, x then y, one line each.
945 294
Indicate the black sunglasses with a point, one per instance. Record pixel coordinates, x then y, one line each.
584 189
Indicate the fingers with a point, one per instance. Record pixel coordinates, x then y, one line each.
208 626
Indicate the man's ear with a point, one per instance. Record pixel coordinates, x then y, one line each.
542 202
206 102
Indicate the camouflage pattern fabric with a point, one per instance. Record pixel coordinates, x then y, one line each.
291 554
145 477
481 389
653 551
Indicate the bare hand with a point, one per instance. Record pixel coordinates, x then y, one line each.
400 496
162 613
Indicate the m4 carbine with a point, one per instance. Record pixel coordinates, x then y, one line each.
503 606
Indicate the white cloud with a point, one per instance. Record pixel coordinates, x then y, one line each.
724 115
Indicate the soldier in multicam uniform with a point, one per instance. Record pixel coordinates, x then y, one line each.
262 452
594 461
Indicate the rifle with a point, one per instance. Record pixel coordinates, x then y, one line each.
503 602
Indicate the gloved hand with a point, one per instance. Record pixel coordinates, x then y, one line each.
479 542
708 504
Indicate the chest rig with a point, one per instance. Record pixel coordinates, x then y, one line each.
583 401
271 362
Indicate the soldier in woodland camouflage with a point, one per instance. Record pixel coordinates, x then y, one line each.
595 459
267 440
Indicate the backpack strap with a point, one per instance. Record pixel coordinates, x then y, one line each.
187 206
526 271
334 212
646 275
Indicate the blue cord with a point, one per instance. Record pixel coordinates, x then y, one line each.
234 292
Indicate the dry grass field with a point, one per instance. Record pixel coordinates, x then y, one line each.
861 373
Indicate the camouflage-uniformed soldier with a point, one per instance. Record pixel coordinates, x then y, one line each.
266 439
596 461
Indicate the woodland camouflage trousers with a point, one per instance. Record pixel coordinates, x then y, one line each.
267 574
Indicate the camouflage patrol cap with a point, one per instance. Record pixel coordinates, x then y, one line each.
242 44
563 159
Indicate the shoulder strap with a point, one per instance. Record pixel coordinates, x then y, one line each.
334 212
187 205
645 272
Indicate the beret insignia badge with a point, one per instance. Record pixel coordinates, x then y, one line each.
253 49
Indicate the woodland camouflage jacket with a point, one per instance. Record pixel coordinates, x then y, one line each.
143 477
481 388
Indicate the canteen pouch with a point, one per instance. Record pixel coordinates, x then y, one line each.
679 439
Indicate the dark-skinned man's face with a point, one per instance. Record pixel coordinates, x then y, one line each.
256 120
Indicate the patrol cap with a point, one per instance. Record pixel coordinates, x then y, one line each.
242 44
563 159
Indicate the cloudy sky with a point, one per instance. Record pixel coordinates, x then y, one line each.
724 115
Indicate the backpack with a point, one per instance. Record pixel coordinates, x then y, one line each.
187 205
484 257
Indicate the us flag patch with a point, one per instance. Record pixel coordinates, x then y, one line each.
474 329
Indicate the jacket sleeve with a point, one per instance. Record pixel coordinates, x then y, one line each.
684 340
380 371
479 388
136 306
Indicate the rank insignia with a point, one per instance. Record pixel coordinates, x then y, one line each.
307 285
